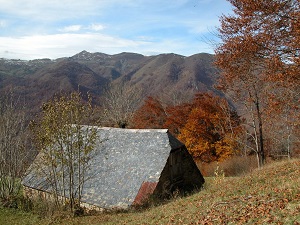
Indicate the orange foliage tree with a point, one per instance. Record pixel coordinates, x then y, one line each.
150 115
211 130
208 125
177 117
259 59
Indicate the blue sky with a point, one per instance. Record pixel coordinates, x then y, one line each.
31 29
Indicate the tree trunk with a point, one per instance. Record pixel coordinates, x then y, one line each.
261 152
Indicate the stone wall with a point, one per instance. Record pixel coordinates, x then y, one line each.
34 194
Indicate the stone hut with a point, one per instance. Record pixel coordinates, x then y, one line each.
130 165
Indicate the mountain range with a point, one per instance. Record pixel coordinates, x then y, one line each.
165 74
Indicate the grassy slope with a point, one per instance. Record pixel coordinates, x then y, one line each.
271 195
11 216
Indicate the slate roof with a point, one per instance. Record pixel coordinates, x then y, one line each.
125 158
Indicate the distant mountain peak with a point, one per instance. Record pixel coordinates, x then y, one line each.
85 55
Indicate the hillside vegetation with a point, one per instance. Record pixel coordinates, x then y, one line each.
38 80
267 196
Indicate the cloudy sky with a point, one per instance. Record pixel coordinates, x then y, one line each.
31 29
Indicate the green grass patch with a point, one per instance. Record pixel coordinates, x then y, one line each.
14 216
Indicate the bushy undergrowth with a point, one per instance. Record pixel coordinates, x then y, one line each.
38 206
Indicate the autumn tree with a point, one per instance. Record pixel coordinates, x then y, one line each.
284 122
211 130
150 115
14 151
281 50
65 146
177 117
208 126
154 114
258 56
120 102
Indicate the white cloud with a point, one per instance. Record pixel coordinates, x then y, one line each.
63 45
71 28
77 27
68 44
96 27
2 23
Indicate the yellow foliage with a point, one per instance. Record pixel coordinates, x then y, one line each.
208 134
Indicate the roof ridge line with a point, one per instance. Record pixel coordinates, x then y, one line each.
135 130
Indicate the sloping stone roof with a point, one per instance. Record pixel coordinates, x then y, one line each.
124 159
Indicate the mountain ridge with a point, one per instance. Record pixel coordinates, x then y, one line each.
39 79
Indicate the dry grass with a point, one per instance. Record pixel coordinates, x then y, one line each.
234 166
267 196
